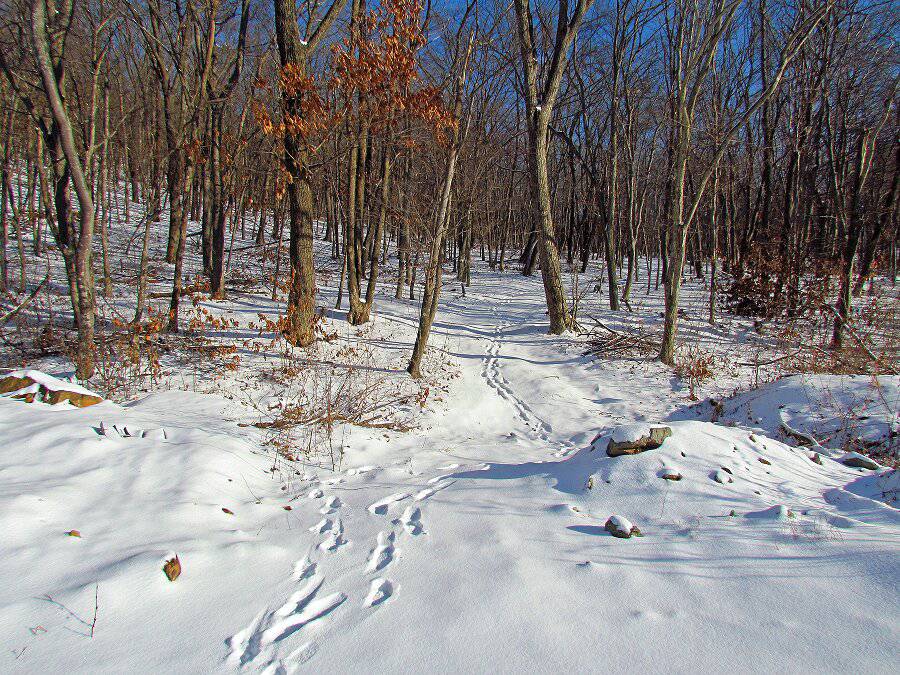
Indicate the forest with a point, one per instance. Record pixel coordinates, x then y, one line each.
754 139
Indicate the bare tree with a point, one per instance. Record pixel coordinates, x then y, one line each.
540 98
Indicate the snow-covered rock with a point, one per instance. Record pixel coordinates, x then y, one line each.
776 512
722 476
621 527
630 439
858 461
34 385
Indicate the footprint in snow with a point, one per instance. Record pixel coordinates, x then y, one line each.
244 645
412 520
290 663
299 598
321 527
381 506
331 505
303 569
308 611
383 553
335 538
379 591
436 486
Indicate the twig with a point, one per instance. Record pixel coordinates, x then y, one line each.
96 607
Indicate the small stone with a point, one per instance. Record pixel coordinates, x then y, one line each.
74 533
723 477
763 460
670 472
621 527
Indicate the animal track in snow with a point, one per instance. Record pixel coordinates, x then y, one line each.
335 538
493 376
383 553
244 645
412 520
331 505
566 451
309 612
289 664
301 597
322 526
303 569
381 506
379 591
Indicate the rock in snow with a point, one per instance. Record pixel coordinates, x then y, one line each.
33 385
631 439
859 461
723 476
670 472
621 527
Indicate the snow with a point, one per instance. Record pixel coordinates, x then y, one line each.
835 410
630 432
474 542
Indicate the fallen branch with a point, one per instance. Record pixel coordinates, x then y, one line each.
13 312
806 439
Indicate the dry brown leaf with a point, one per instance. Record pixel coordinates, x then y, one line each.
172 568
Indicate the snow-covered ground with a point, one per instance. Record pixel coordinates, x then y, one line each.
472 543
859 411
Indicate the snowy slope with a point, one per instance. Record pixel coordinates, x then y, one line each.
838 411
470 544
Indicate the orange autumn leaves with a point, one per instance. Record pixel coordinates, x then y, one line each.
374 81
